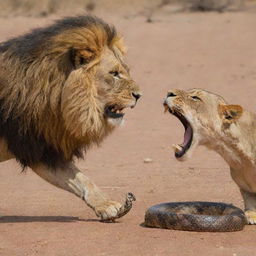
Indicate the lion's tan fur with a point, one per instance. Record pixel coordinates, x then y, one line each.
79 120
63 88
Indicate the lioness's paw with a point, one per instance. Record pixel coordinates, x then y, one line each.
251 216
108 210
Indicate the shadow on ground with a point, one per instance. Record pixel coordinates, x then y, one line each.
14 219
17 219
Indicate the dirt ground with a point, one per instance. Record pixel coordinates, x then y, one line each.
184 50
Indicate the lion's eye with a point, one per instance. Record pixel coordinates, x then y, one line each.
195 98
82 61
115 74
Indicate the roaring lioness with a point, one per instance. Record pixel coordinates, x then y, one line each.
228 129
64 88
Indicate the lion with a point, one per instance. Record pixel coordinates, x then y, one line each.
64 88
227 129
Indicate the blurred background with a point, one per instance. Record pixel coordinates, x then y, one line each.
131 7
148 8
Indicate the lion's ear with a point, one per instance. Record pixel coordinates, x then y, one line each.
230 113
81 57
118 45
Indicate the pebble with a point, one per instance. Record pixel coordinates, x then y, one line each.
148 160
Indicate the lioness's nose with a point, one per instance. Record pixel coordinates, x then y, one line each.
136 95
171 94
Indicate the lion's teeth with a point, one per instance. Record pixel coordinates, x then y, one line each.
177 147
116 110
166 108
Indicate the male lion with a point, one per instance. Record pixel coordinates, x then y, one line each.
62 89
228 129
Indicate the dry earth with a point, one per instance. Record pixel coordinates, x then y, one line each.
210 50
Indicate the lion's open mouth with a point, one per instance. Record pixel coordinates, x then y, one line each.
181 149
114 112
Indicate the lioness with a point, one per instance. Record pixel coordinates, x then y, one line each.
228 129
64 88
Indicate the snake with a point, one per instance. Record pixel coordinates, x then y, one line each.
125 208
196 216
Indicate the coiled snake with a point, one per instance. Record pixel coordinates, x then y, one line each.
196 216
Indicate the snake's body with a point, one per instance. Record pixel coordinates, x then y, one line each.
196 216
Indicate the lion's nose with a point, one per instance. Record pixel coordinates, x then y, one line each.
136 95
171 94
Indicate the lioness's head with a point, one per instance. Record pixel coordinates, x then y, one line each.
204 115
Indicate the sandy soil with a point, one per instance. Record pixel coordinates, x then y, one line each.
213 51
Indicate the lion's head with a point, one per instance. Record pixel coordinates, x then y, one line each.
66 84
99 87
205 116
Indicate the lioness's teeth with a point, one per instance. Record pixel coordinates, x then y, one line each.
166 108
177 147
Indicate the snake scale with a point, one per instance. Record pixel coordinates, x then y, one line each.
196 216
126 207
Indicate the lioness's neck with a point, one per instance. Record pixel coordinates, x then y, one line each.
236 144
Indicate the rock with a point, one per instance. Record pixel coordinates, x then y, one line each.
148 160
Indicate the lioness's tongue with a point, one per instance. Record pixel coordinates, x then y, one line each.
187 136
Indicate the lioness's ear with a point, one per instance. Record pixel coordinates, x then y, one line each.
81 57
230 113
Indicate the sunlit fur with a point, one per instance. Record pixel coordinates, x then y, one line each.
54 86
227 129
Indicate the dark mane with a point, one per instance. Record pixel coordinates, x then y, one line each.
39 38
29 75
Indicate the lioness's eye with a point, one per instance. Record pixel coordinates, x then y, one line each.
115 74
195 98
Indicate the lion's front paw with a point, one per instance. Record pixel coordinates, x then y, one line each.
251 216
108 210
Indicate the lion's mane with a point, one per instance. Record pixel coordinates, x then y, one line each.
34 70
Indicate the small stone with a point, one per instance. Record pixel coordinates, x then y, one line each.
148 160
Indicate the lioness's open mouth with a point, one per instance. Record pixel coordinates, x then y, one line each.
181 149
114 111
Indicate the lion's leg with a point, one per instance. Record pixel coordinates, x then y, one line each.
70 178
249 206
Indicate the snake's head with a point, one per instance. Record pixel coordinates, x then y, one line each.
130 197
